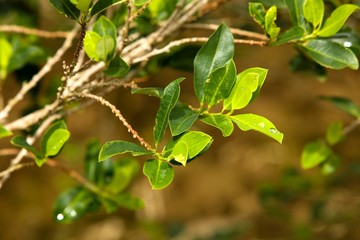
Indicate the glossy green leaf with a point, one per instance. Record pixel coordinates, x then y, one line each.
90 41
257 12
151 91
345 104
124 172
102 5
215 53
23 53
314 153
128 201
334 133
193 142
117 67
181 119
330 54
140 2
105 47
292 35
167 103
270 26
58 125
104 27
295 8
66 7
83 5
20 141
314 12
222 122
330 165
247 87
219 84
4 132
5 56
159 173
337 19
74 203
113 148
258 123
56 141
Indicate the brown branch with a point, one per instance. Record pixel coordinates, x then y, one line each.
31 31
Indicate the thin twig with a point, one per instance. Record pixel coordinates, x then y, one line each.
14 168
118 114
31 31
37 77
235 31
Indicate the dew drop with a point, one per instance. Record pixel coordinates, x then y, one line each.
273 130
73 213
347 44
60 217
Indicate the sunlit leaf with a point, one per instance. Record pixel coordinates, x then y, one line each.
257 12
181 119
180 152
314 12
66 7
105 47
140 2
330 54
270 26
4 132
167 103
113 148
295 8
5 56
56 141
222 122
104 27
291 35
83 5
219 84
215 53
159 173
90 41
49 132
334 133
161 9
337 19
258 123
314 153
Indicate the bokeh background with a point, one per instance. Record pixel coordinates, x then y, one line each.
247 186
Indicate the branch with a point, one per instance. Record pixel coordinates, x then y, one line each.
31 31
37 77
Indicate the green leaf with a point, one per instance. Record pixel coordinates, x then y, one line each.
5 56
91 164
314 153
270 26
105 48
117 67
215 53
56 141
314 12
66 8
151 91
257 12
4 132
344 104
337 19
167 103
193 142
48 140
159 173
124 172
161 9
104 27
140 2
112 148
83 5
330 165
247 87
23 53
102 5
334 133
219 84
128 201
295 8
330 54
292 35
90 41
73 204
255 122
222 122
20 141
181 119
